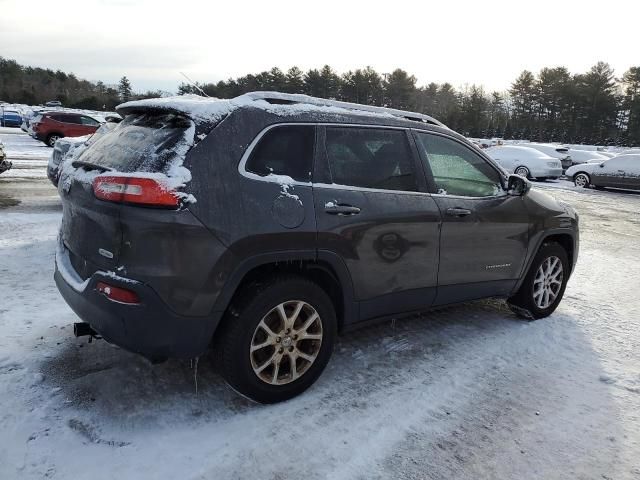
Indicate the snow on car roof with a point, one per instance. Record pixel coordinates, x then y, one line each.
517 149
211 110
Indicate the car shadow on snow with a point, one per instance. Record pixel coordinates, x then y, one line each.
112 388
101 377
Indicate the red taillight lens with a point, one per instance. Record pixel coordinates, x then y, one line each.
142 191
118 294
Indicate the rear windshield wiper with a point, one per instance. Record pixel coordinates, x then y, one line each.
90 166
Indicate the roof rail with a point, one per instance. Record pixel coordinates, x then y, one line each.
292 98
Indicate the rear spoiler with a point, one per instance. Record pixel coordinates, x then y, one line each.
205 112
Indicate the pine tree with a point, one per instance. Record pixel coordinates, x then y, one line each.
631 105
313 83
294 82
124 89
330 83
399 89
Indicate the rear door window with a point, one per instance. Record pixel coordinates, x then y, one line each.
88 121
284 150
371 158
67 118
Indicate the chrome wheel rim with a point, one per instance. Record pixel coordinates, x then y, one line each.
286 342
53 140
581 180
523 172
547 282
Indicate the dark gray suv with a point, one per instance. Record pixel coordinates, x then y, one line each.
268 223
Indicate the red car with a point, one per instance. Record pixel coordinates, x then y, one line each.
50 126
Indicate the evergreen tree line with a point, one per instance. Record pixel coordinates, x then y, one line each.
35 86
593 107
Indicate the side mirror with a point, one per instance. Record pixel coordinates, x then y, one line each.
602 165
517 185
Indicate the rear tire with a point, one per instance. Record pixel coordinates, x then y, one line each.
581 180
545 283
523 172
273 316
52 139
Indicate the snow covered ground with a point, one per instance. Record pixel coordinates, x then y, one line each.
468 391
29 156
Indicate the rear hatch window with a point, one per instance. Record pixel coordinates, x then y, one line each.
142 142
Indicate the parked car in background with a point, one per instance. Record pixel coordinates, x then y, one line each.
586 156
265 225
10 118
622 171
4 163
27 117
526 162
48 127
630 151
53 103
69 145
556 151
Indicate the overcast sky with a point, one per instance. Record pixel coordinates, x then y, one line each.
462 42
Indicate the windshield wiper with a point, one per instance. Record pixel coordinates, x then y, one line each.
90 166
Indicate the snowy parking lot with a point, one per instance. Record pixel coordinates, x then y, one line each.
468 391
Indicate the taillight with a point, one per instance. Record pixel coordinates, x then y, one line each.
118 294
139 190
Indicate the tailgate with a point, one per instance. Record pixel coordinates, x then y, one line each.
90 229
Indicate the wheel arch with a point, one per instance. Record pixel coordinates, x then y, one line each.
582 172
565 238
324 268
50 134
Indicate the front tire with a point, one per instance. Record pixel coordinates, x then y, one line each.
581 180
277 338
545 283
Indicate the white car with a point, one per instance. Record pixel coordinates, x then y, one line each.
526 162
556 151
622 171
586 156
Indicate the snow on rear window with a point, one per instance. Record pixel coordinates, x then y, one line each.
143 142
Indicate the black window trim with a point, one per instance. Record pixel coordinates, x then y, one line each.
320 159
426 165
269 178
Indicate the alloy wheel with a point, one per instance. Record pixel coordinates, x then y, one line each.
522 171
286 342
581 180
547 282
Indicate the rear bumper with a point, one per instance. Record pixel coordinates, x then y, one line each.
150 328
547 172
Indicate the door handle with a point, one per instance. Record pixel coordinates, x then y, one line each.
458 212
341 209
